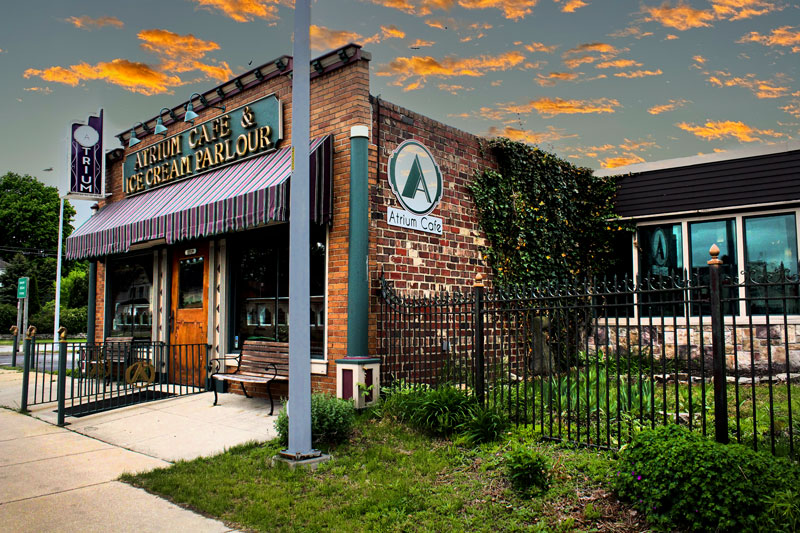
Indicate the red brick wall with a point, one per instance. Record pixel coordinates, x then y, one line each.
415 261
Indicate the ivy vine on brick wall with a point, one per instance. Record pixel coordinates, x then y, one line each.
546 219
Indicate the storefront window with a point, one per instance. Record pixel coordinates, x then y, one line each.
260 275
702 235
131 293
771 257
190 283
660 269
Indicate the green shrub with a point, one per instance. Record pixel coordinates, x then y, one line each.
441 411
485 425
8 317
683 480
783 511
527 470
400 400
332 420
73 319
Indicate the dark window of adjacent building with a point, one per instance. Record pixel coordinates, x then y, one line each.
770 256
702 235
130 293
660 269
260 278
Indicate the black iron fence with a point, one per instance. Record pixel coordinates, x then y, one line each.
594 363
86 378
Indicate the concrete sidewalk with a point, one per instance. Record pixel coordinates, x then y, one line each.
63 479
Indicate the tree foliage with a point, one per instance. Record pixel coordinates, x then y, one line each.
20 267
545 219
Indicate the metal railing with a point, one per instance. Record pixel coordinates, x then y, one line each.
594 363
86 378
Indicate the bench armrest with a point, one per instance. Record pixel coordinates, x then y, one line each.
215 365
274 369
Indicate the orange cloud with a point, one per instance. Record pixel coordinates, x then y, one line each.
550 107
783 36
540 47
42 90
618 63
86 22
743 9
578 61
512 9
635 146
639 73
530 137
614 162
671 37
454 89
681 17
323 38
133 76
727 128
760 88
570 6
554 77
602 48
419 43
632 31
245 10
792 108
671 106
184 53
405 68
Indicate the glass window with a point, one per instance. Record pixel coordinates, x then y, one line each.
702 235
771 256
190 283
660 270
130 294
260 274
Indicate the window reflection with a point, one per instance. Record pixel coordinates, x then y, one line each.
771 256
660 268
131 288
702 235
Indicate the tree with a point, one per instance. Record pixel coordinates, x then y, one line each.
29 216
20 267
29 222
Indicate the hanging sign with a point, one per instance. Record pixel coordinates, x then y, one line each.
86 159
244 132
416 182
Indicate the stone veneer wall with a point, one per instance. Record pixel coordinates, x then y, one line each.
757 347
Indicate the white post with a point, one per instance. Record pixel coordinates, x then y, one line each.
58 271
299 213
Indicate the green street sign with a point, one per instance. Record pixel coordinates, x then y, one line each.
22 287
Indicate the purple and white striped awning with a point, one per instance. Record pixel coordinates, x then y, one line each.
245 195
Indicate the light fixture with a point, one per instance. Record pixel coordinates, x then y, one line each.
190 115
133 140
160 127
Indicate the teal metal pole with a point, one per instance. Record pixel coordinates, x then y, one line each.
357 281
26 366
62 373
15 347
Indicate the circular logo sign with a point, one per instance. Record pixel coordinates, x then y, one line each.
86 136
415 178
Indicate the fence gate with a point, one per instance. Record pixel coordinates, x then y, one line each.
595 363
85 378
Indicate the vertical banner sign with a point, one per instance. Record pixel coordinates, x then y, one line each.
86 159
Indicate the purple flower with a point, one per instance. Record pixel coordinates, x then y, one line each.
638 478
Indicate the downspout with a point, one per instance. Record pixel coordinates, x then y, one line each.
357 280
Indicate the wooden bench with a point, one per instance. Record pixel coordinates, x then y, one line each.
259 362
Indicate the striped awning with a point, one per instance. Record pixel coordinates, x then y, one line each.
245 195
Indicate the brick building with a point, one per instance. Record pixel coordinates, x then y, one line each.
191 245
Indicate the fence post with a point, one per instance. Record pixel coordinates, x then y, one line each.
62 373
14 331
30 336
478 340
718 349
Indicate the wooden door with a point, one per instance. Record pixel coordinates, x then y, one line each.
189 315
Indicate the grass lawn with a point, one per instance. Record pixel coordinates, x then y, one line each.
391 478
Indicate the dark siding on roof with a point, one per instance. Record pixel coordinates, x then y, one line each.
717 185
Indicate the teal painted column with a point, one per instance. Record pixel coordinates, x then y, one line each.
357 280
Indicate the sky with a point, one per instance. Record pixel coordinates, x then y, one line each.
600 83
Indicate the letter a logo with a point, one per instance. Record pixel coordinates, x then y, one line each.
415 177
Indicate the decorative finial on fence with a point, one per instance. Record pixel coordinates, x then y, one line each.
62 334
714 251
31 332
14 330
478 281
